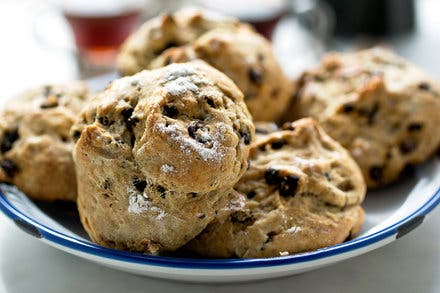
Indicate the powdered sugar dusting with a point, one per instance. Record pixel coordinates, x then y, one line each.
139 203
180 86
180 79
189 145
293 229
167 168
237 202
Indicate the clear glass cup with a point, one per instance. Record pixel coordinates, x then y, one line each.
98 29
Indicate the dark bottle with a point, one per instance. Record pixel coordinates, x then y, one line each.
373 17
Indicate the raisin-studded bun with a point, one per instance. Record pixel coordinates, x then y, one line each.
158 153
248 59
302 192
167 31
384 110
226 44
35 146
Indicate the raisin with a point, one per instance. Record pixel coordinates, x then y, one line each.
288 186
201 216
272 176
170 111
126 113
132 121
210 102
242 217
132 139
376 173
140 184
246 136
347 108
9 167
270 236
169 45
346 185
407 146
415 126
8 140
76 134
193 194
251 194
134 83
255 76
424 86
288 126
107 184
193 127
104 120
193 131
161 190
262 147
277 144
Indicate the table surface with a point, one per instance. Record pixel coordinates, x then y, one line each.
410 264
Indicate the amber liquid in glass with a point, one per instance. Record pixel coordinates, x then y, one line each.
99 37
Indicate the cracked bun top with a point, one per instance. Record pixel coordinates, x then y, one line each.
157 154
380 107
301 192
170 121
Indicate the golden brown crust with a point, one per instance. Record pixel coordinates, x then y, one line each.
248 59
303 193
232 47
143 143
165 31
36 149
381 108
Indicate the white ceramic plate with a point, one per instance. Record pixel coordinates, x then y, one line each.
390 213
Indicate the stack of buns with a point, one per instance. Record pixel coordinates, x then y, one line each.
206 146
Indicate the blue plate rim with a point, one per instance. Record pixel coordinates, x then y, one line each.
213 264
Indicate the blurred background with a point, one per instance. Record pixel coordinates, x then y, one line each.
57 40
52 41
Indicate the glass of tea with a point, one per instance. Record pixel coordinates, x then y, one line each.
98 27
